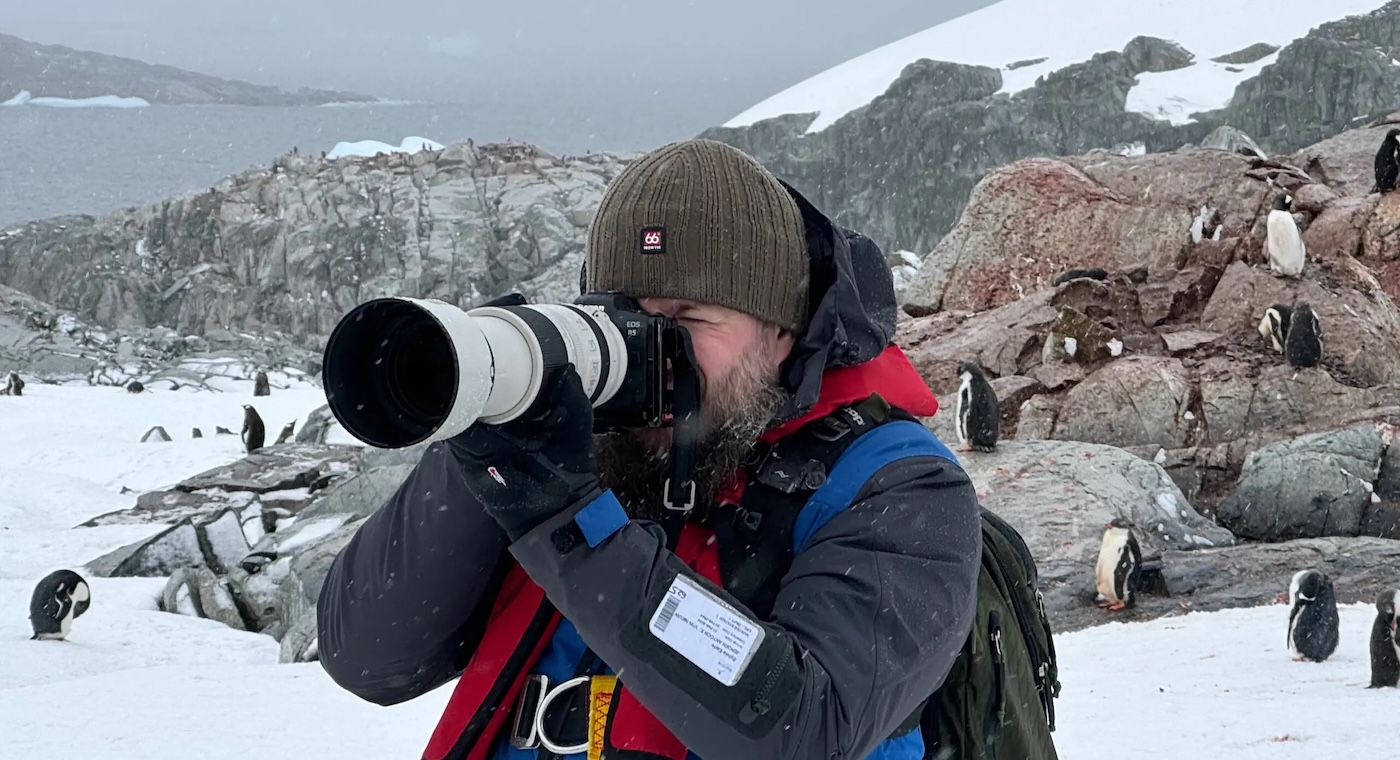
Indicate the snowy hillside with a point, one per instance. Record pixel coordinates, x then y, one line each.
1065 32
136 683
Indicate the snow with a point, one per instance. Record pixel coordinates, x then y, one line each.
101 101
134 682
1066 32
369 148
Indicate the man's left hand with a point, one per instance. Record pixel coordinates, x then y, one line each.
531 468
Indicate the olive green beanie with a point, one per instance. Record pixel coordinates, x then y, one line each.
703 221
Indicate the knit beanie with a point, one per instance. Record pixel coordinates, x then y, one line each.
702 221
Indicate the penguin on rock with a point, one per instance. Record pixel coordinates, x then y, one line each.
978 411
59 599
1284 244
1313 624
1119 569
1387 162
1302 341
1274 326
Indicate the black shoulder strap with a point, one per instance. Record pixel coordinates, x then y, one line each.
754 539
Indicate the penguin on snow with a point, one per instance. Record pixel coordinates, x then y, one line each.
978 411
1387 162
1274 326
1385 641
1302 341
1119 572
1313 623
254 432
59 599
1284 244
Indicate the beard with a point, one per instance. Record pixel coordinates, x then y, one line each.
735 411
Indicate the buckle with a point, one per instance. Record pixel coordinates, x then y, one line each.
666 497
527 730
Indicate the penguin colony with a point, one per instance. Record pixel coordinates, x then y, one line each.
59 599
978 411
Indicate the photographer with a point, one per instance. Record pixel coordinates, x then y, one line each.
533 558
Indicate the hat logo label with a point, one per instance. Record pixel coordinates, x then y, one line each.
653 240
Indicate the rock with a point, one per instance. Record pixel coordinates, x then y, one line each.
196 433
222 540
1232 140
1245 575
1060 495
1144 54
251 254
1314 486
220 430
156 433
158 556
1134 401
1255 52
1077 338
359 495
317 425
198 592
1185 341
300 589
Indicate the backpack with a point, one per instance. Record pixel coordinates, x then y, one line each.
997 702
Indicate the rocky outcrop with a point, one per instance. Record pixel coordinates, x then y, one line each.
902 167
292 247
52 345
62 72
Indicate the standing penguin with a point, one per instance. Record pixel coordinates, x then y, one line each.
1284 244
1387 162
1274 326
1302 341
978 412
261 387
253 432
1119 569
1313 624
58 600
1385 641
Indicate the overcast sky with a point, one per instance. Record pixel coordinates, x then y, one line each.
712 58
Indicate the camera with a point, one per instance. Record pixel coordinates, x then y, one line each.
399 371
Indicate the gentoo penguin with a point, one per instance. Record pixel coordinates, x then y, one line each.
1284 244
286 434
135 386
1313 625
978 412
1385 641
1119 569
1075 274
1274 326
1387 162
58 600
1302 341
253 432
261 387
14 385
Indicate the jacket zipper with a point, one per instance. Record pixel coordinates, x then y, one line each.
1037 654
760 704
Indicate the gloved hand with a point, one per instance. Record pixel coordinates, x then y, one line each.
531 468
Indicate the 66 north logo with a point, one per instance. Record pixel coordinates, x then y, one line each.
653 240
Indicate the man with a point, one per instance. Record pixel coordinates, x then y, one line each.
528 559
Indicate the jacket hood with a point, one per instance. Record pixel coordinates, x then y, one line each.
851 322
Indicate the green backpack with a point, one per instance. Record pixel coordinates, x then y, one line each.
997 702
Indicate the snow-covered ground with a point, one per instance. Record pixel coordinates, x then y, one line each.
136 683
1065 32
26 98
368 148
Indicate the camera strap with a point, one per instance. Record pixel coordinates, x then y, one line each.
679 494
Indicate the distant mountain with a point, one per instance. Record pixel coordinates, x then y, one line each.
61 72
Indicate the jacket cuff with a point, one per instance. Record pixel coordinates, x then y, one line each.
591 520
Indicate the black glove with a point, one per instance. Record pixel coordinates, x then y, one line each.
531 468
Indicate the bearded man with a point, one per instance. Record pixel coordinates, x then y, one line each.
802 610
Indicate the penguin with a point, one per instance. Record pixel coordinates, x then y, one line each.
978 412
1075 274
260 385
1119 569
1385 641
253 432
1274 326
1387 162
1313 624
1284 244
1302 341
135 386
14 385
59 599
286 434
